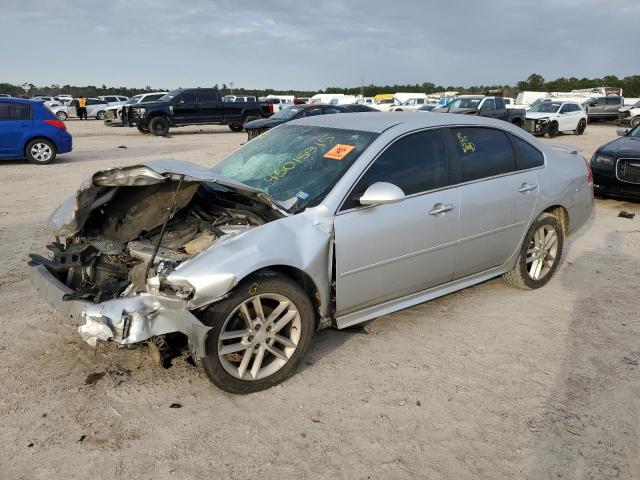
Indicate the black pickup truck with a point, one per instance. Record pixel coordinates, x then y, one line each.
492 107
194 106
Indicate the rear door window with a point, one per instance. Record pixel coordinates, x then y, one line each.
15 111
481 153
207 97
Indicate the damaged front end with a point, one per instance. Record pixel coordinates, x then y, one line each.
122 235
537 126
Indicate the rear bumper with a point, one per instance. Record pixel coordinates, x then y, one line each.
64 143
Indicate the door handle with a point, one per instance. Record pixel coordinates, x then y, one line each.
526 187
439 208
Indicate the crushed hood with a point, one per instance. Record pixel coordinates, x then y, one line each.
69 218
539 115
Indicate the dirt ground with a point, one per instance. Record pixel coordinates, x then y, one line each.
487 383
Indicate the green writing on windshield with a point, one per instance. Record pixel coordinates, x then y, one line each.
319 143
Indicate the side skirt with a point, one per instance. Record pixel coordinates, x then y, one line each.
407 301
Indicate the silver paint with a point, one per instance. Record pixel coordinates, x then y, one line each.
387 257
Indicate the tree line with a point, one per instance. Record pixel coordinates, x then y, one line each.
536 82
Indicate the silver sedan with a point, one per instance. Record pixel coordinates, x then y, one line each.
326 221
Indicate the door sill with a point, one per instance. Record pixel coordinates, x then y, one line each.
407 301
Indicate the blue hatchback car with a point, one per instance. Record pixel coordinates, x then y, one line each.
28 129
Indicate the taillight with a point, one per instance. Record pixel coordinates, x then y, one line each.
271 108
55 123
589 171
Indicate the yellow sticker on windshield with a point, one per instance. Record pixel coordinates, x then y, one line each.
339 151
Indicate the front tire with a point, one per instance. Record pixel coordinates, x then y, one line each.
101 115
582 125
552 130
634 122
259 333
540 254
236 127
143 130
40 151
62 116
159 126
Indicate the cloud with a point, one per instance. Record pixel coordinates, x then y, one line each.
293 44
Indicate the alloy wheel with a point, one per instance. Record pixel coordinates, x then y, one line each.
259 337
542 252
41 152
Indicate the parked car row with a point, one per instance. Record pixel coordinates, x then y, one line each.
256 127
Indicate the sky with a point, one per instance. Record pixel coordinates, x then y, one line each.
301 44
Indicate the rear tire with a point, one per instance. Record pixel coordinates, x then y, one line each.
582 125
143 130
40 151
251 338
159 126
539 255
236 127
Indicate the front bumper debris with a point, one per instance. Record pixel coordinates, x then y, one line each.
536 126
124 320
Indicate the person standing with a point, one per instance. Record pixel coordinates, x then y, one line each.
82 107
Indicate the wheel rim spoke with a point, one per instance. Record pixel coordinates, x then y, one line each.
244 313
245 362
233 348
257 305
278 311
230 335
257 363
285 341
290 315
277 353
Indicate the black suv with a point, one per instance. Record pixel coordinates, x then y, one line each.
194 106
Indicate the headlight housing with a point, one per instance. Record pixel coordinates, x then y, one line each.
139 111
602 159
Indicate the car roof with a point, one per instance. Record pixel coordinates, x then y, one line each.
378 122
19 100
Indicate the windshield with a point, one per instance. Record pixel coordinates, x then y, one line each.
464 103
170 96
133 100
637 104
546 107
296 165
634 132
287 113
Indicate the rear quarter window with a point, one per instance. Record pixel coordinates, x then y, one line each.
528 155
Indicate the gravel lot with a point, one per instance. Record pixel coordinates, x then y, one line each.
489 383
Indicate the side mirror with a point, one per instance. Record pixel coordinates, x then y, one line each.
382 193
593 104
621 132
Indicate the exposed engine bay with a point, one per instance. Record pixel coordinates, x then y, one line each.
164 223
